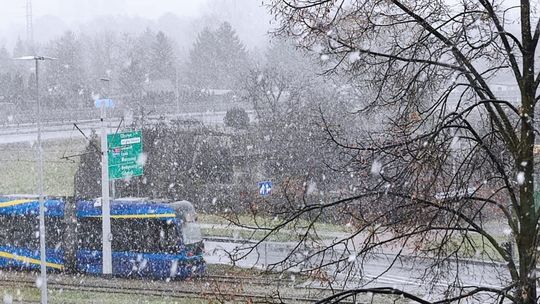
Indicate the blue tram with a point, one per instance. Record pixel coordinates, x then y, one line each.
149 237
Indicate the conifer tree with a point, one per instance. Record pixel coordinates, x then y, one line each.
218 59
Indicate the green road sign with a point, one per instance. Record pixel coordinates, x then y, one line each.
125 155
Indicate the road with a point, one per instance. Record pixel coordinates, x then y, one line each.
405 274
28 132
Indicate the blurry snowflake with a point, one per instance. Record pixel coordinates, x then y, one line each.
174 268
141 161
354 56
39 282
8 299
376 167
520 178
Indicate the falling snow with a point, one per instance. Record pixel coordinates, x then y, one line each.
520 178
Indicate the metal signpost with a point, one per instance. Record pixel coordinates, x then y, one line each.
103 104
121 157
125 155
265 189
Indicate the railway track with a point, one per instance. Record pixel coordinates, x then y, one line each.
211 287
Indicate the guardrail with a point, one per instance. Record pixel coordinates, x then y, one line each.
61 117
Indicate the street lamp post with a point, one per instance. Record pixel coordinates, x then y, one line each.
42 251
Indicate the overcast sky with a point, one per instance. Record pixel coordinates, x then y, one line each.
53 17
13 11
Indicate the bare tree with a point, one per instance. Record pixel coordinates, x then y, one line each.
444 151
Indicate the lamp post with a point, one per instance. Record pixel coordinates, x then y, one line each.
43 260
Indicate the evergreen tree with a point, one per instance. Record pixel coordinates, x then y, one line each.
66 76
20 49
236 118
103 55
202 68
6 62
142 49
163 59
218 59
135 67
232 57
12 87
88 175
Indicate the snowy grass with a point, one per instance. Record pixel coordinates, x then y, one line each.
475 247
269 222
222 227
247 234
18 167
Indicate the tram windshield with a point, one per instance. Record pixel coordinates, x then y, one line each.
191 231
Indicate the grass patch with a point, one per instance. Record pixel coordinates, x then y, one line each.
27 294
475 247
242 234
288 233
269 222
18 167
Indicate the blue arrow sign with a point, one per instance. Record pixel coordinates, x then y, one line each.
107 103
265 188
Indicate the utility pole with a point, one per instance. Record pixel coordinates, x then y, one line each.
42 248
105 202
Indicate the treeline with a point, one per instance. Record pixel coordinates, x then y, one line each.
142 68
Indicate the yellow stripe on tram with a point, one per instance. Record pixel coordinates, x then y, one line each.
26 259
140 216
15 202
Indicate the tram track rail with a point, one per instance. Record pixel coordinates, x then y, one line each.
211 287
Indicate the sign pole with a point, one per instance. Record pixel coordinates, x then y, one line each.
105 203
42 248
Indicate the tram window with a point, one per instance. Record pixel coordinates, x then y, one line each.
5 230
168 237
143 235
23 231
89 232
20 231
54 229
